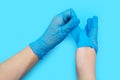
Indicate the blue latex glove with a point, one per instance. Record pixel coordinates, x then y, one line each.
61 25
87 37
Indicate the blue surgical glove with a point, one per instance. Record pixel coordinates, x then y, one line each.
87 37
61 25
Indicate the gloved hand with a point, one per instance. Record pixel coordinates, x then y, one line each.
61 25
87 37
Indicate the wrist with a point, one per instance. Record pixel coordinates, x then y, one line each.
83 55
86 49
39 48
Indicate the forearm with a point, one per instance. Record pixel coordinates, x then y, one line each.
85 63
61 25
17 66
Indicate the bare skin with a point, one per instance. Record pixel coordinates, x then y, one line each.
85 63
17 66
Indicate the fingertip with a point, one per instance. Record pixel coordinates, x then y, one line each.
89 20
95 19
70 9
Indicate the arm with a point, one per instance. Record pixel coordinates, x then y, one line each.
85 63
17 66
86 41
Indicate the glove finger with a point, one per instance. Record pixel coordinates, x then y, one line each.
75 34
67 15
88 26
94 28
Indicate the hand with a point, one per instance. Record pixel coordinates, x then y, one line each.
61 25
88 36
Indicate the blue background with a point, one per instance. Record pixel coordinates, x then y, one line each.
23 21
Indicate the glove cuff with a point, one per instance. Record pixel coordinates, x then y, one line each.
38 47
